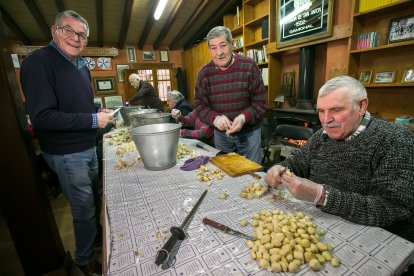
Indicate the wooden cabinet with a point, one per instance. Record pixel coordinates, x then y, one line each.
252 31
337 53
389 100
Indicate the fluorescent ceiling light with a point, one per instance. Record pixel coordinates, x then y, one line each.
160 9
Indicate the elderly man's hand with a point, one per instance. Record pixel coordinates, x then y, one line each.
273 175
237 124
175 113
302 188
222 122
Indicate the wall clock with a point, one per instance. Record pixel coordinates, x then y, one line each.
90 63
103 62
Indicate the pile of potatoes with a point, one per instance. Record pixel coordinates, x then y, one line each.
206 174
184 150
255 190
119 137
285 241
127 147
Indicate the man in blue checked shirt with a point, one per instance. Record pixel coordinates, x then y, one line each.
59 97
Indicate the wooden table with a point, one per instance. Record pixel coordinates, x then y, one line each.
142 205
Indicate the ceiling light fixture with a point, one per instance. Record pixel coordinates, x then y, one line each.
160 9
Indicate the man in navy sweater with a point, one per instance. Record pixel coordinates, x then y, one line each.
59 97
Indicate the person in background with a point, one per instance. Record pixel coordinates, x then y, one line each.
357 167
230 95
199 130
59 96
146 95
176 100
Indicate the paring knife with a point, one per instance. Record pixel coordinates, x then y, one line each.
201 147
227 229
115 111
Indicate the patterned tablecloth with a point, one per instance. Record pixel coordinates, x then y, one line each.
141 207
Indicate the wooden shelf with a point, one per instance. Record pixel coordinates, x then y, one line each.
237 31
384 47
396 6
257 43
252 2
256 22
389 85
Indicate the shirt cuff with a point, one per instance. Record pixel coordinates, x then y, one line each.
94 120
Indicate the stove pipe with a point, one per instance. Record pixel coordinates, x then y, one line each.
306 73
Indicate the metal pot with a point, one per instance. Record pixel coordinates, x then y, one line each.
125 110
132 115
150 118
157 145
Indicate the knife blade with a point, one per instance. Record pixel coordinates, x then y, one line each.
227 229
201 147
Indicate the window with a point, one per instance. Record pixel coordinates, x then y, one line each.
159 76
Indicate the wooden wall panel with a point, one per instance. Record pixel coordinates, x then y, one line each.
193 60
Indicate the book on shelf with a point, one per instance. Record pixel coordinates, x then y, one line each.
365 5
238 15
368 40
265 29
265 75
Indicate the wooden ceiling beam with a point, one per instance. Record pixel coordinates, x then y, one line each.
212 20
8 20
60 5
148 25
188 24
126 19
33 8
99 22
178 7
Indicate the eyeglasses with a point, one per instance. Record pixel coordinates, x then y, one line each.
68 31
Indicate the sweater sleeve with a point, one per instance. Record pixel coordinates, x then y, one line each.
203 108
39 83
389 199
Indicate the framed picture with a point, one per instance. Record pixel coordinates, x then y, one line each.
98 100
401 29
365 76
119 69
148 55
408 75
113 101
302 21
384 77
132 56
163 55
104 85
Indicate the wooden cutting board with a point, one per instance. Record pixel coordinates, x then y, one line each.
235 165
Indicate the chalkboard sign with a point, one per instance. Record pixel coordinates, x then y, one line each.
300 21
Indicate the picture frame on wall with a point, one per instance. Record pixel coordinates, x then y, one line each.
401 29
131 54
365 76
120 71
113 101
408 75
104 85
163 55
384 77
148 55
302 21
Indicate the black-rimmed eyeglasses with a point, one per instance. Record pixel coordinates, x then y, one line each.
68 31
